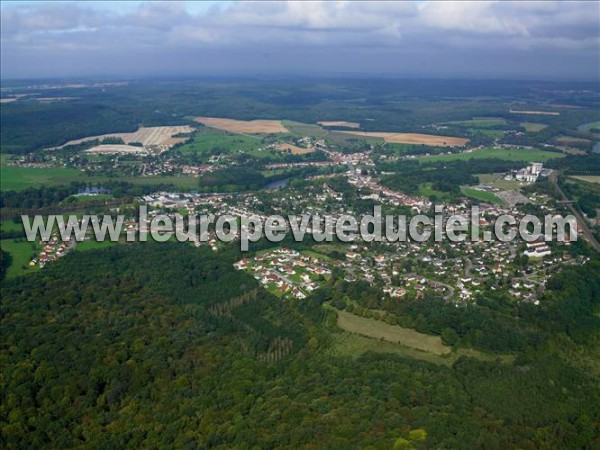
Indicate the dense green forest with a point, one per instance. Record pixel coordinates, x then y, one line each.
148 345
394 105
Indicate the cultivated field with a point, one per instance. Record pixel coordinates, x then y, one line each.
497 180
413 138
532 127
153 138
534 113
243 126
589 178
391 333
480 122
484 196
13 178
571 140
507 154
54 99
206 139
293 149
339 123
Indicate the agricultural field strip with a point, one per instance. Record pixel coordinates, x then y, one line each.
412 138
392 333
258 126
144 135
338 123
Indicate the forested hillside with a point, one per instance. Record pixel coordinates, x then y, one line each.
164 345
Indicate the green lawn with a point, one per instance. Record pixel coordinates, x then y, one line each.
589 126
21 252
207 139
481 122
18 178
93 245
11 225
508 154
484 196
497 180
426 190
391 333
533 127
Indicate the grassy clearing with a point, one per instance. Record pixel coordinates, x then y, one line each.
14 178
21 252
391 333
484 196
208 139
335 138
183 182
353 345
569 140
11 225
507 154
426 190
481 122
589 127
93 245
589 178
497 180
532 127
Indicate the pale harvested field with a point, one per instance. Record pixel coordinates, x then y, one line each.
55 99
539 113
258 126
412 138
294 149
111 149
571 140
391 333
339 123
8 100
161 137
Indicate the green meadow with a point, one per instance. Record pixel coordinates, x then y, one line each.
484 196
18 178
508 154
21 252
207 139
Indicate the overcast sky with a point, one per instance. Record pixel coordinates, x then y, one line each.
542 40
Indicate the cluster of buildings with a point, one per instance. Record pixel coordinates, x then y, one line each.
385 194
52 250
527 174
286 272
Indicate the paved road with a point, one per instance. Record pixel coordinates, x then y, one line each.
587 234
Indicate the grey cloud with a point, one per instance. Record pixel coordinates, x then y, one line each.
435 38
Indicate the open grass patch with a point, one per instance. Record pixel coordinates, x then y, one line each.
208 140
484 196
391 333
481 122
532 127
21 252
14 178
507 154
